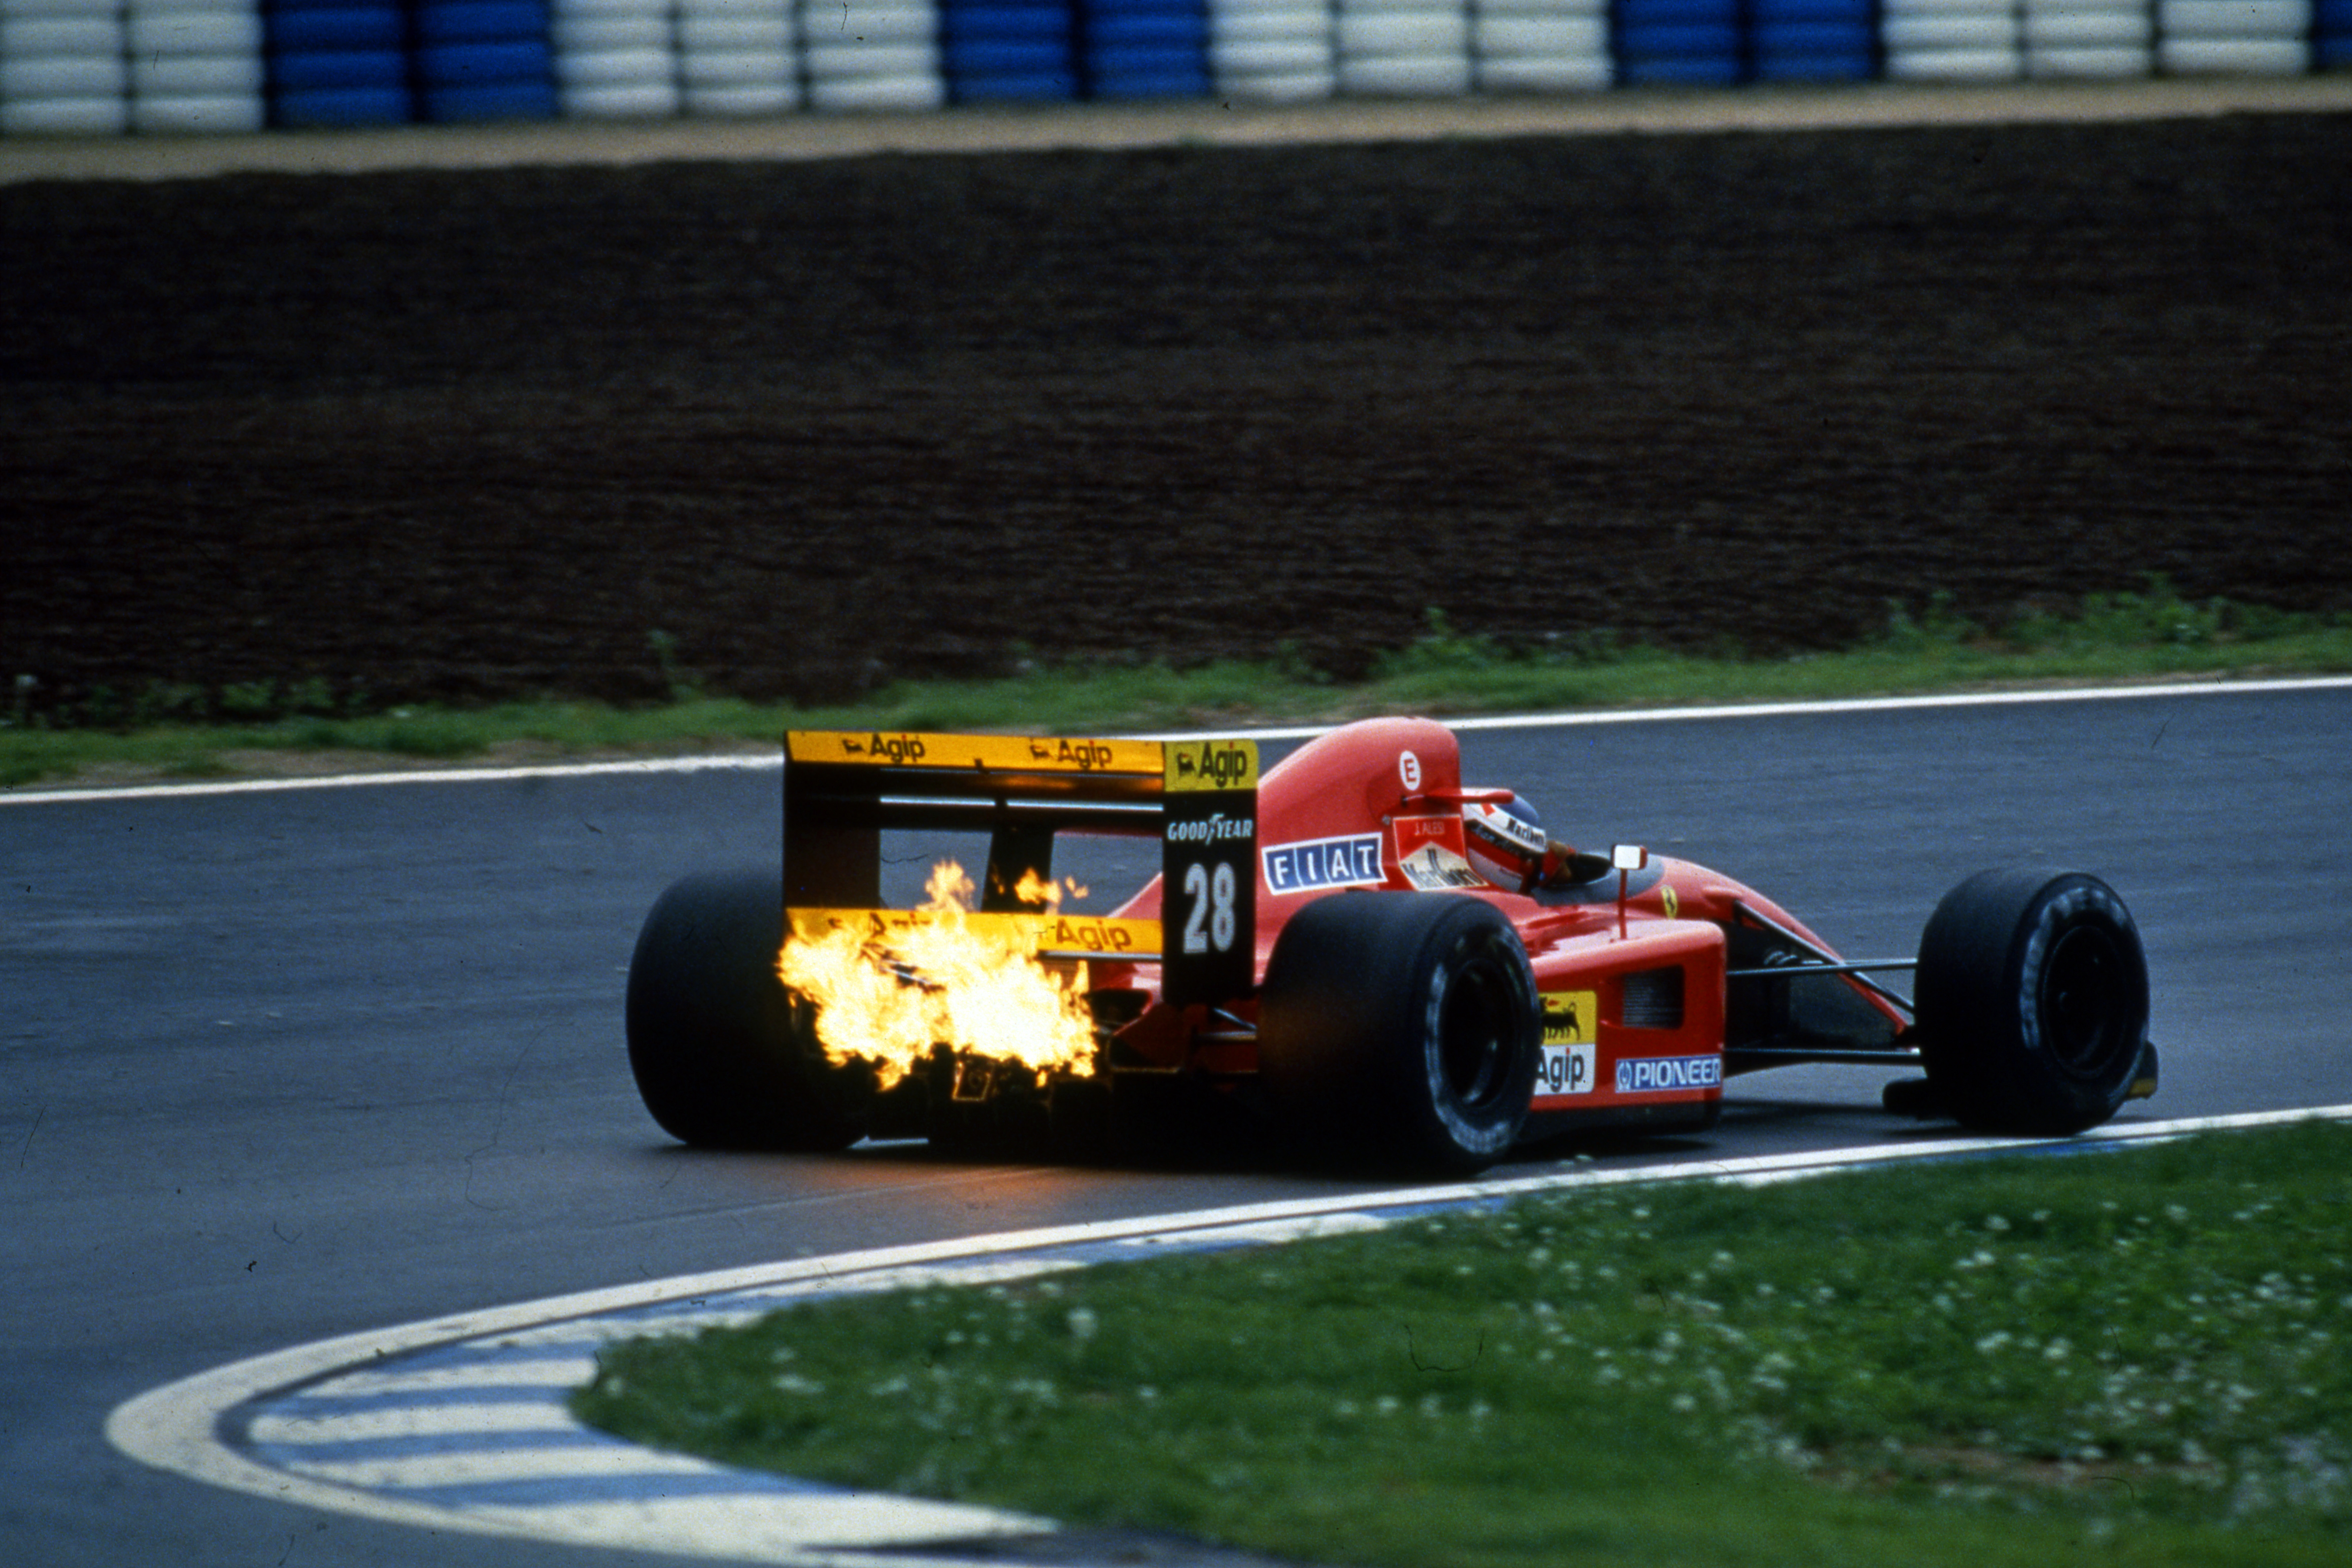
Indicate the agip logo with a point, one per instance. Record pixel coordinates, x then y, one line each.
1211 765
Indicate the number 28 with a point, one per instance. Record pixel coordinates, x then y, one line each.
1211 923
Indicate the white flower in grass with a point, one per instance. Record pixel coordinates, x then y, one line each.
1082 1323
1992 1341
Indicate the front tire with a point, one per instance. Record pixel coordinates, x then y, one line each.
1400 1029
725 1056
2032 1002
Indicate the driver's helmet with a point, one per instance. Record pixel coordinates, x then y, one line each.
1507 842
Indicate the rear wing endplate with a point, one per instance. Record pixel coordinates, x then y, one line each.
1198 798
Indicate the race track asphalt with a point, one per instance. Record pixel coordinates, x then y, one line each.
286 1065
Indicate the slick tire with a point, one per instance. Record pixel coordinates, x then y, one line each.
1400 1030
2032 1002
724 1056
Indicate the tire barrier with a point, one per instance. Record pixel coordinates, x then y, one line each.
1143 48
1685 43
62 68
2331 35
338 62
2112 40
1540 46
737 57
1271 51
195 66
2234 38
483 59
615 59
1812 41
1400 49
1952 40
109 67
1000 50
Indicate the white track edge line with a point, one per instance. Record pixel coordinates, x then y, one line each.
174 1427
770 759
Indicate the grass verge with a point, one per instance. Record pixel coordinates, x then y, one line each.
2138 1355
2153 636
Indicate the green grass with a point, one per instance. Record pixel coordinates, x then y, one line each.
180 730
2139 1355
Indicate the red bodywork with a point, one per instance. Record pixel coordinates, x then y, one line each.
1635 987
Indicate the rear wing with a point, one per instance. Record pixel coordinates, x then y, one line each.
1198 798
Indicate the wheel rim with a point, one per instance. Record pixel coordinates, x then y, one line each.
2085 1010
1474 1047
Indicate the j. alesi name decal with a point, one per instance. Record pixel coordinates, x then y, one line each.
1315 864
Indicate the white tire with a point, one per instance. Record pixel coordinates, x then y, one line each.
1271 56
624 68
1284 23
846 61
1405 76
193 33
1956 65
700 32
199 114
31 37
2081 29
1891 9
197 76
870 21
2234 56
749 13
1402 33
2081 64
743 102
1305 86
605 34
735 68
1957 30
618 101
1537 37
1538 8
63 76
64 116
1545 73
877 94
2233 18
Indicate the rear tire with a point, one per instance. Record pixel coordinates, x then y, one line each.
2032 1001
725 1056
1400 1029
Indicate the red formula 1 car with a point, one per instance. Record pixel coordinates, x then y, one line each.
1356 952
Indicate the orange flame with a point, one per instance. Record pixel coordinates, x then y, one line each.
1043 891
936 980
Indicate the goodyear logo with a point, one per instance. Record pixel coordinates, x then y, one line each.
1212 765
1648 1075
1215 828
1568 1017
1317 863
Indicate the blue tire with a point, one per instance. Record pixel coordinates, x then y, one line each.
341 106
